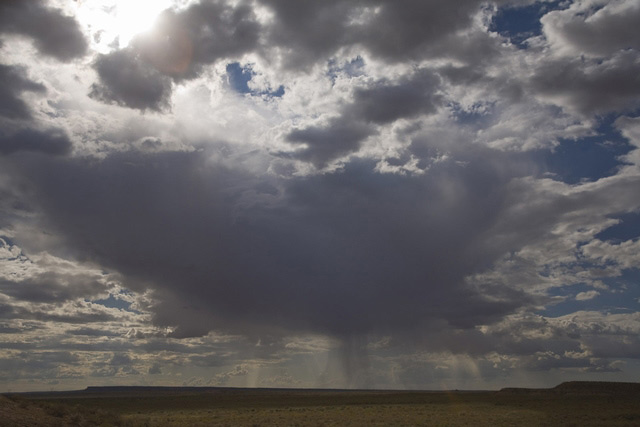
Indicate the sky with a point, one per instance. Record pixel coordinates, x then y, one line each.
328 194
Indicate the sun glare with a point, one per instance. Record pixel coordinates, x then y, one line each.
121 19
133 17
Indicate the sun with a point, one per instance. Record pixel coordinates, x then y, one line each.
120 20
137 16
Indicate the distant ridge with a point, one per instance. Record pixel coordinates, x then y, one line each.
597 387
566 388
580 387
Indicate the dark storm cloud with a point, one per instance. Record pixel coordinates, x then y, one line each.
12 84
385 102
201 34
50 287
53 33
625 345
339 253
307 30
591 87
92 332
402 29
127 80
339 137
395 31
20 132
50 141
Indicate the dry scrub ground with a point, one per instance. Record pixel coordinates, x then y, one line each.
229 407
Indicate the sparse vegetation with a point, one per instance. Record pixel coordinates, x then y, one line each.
575 404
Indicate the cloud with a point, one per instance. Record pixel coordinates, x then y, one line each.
49 141
282 379
589 86
306 32
20 131
120 364
182 42
91 332
389 219
624 254
593 49
215 30
53 33
52 288
36 364
585 296
325 143
223 378
595 28
127 80
385 102
12 84
372 266
379 103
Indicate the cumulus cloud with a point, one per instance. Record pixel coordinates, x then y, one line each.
53 33
13 83
324 143
384 102
20 130
199 35
223 378
379 103
38 364
590 87
127 80
595 28
393 31
182 42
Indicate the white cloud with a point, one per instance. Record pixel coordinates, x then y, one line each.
587 295
593 27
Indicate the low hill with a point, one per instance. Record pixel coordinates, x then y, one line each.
580 388
598 387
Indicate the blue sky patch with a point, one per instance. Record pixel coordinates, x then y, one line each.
239 77
112 302
353 68
520 23
628 228
588 158
623 296
476 115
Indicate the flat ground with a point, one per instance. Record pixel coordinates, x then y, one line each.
572 404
